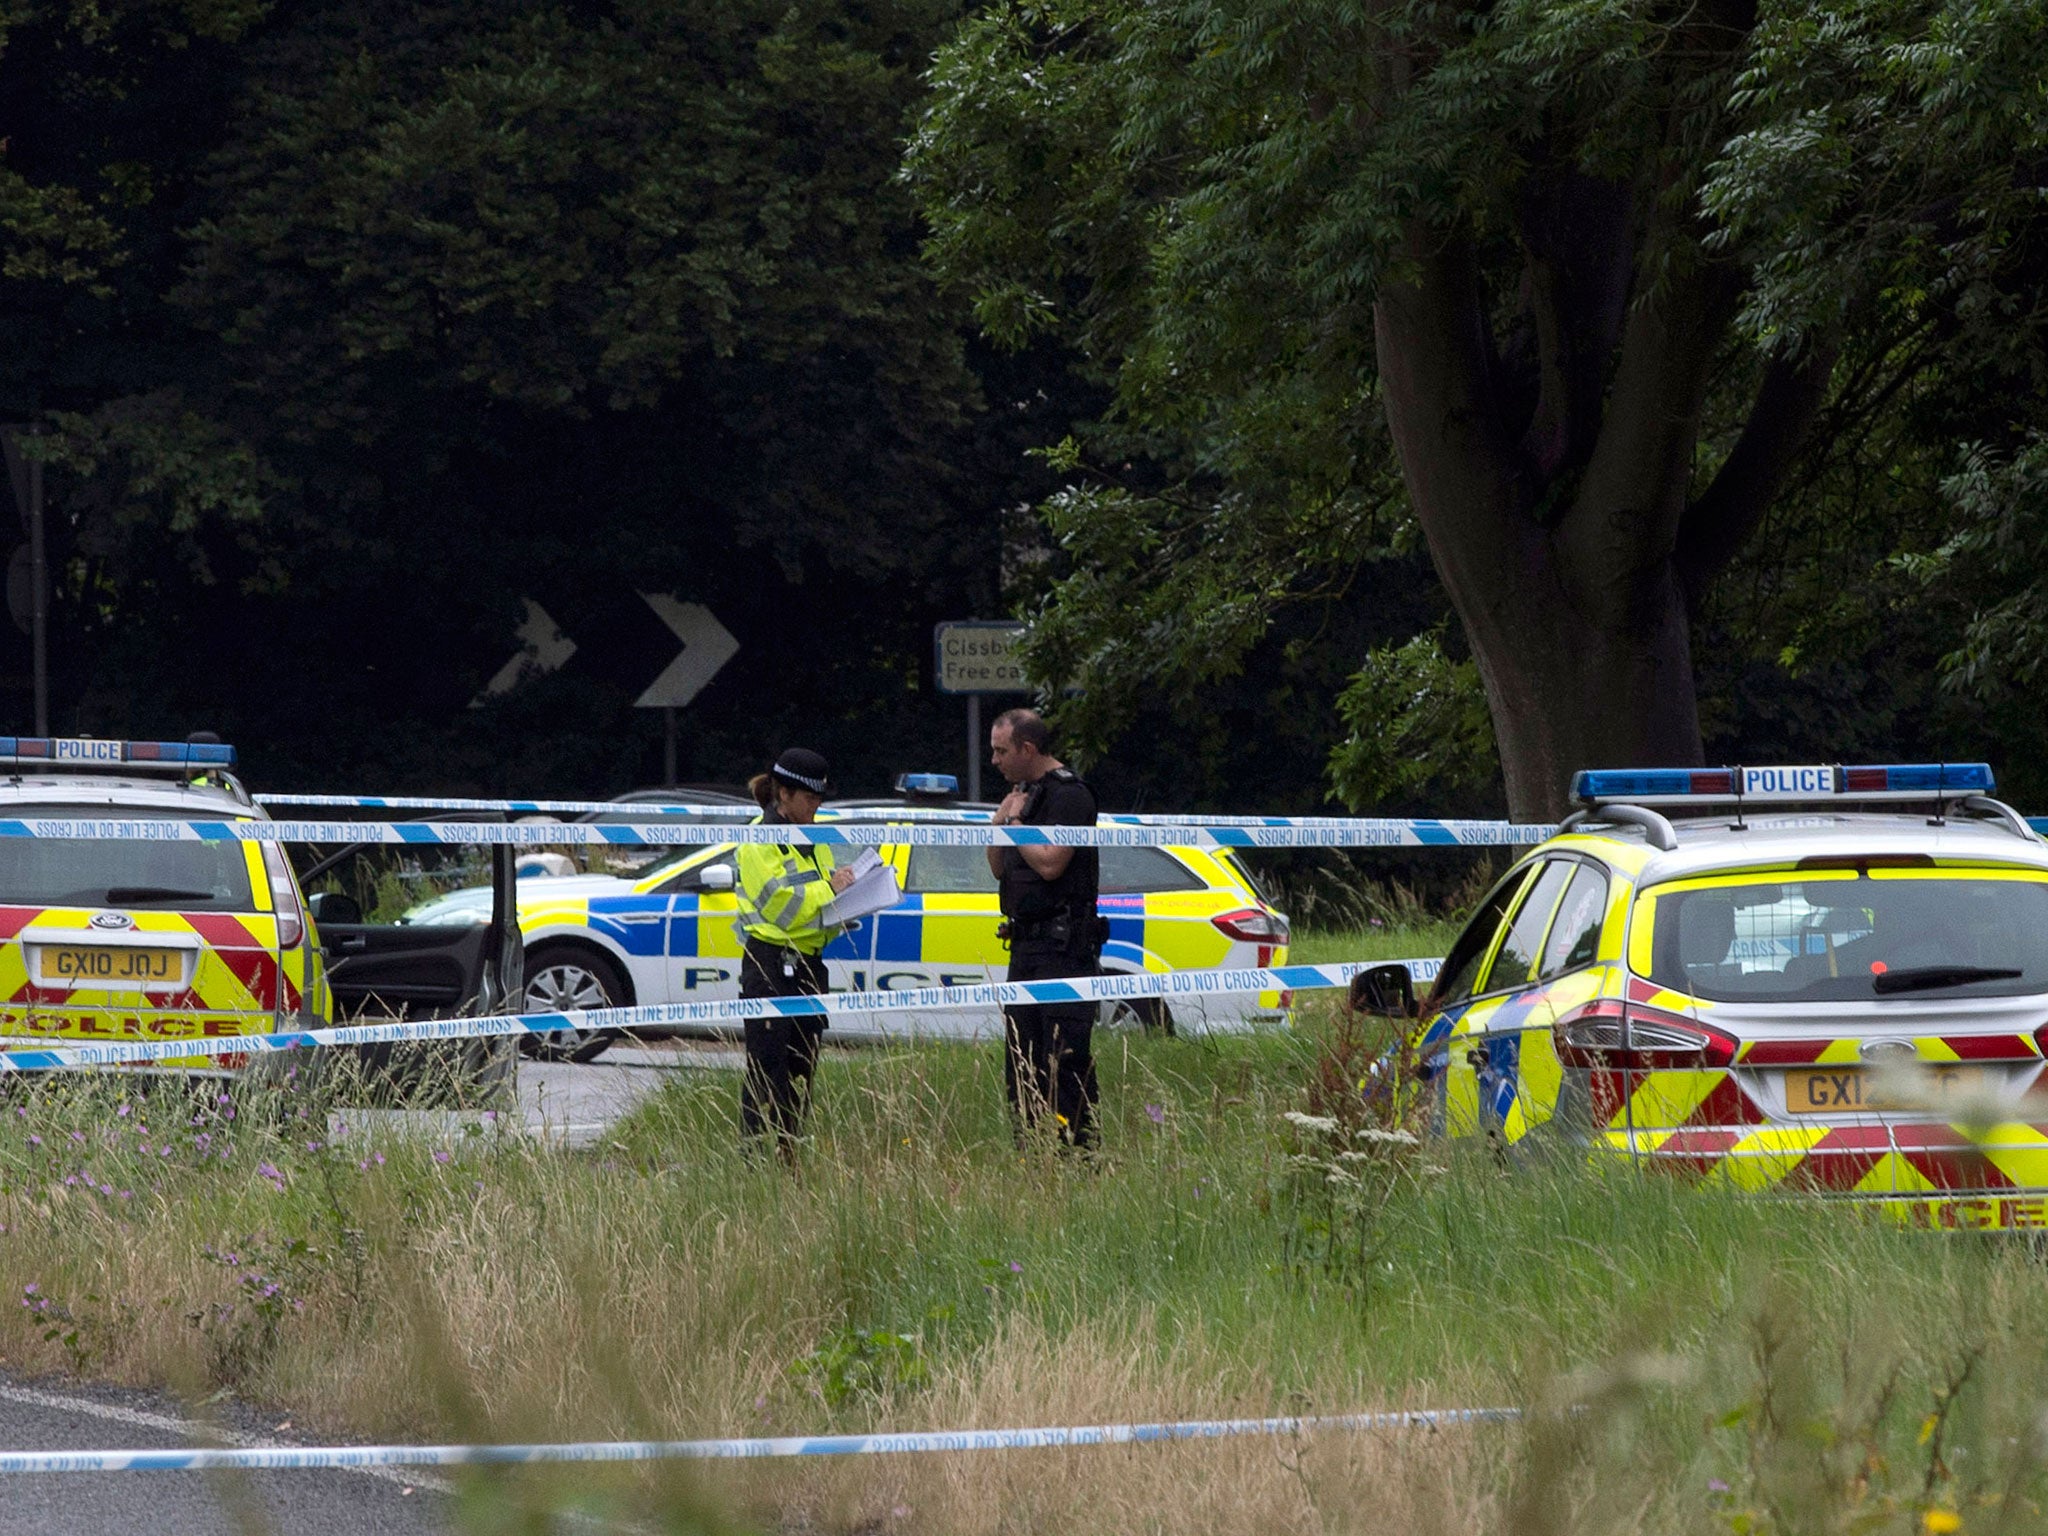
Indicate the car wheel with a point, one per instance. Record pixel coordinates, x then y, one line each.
559 980
1149 1014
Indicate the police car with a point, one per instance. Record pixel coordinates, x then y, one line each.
667 934
1829 979
147 940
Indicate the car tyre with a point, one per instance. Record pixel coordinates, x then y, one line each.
560 977
1149 1014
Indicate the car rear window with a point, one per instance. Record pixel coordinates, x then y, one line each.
1852 937
949 871
82 872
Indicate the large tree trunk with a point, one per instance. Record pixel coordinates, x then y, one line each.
1561 528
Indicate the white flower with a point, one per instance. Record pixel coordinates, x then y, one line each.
1388 1138
1321 1124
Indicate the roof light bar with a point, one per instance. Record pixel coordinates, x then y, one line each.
1699 786
927 784
89 752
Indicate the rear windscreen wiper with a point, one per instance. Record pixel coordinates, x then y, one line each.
126 895
1921 978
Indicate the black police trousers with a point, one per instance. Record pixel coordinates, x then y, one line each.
782 1054
1048 1057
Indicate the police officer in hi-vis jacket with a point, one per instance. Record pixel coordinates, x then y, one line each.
1048 900
784 889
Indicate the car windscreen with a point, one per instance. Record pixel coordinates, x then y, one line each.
1850 936
92 872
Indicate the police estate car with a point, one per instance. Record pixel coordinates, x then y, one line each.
1738 973
157 940
667 934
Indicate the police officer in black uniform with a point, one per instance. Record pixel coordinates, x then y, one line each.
1048 899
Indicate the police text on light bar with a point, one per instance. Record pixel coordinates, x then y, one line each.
1700 786
87 751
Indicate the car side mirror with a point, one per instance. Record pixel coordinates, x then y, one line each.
1387 990
718 877
329 907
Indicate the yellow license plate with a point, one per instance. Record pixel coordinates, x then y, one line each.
1854 1090
94 962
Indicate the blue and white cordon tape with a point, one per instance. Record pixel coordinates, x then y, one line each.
1195 832
998 994
291 1457
962 815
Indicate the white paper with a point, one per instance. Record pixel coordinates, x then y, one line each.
874 889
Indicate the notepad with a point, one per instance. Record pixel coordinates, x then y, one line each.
874 889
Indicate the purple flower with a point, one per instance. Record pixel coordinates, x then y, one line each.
1156 1113
35 1141
121 1113
1016 1268
266 1171
440 1154
312 1146
1716 1485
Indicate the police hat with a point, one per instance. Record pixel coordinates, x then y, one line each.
801 768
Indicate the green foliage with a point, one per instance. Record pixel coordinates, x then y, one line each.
1207 201
1418 729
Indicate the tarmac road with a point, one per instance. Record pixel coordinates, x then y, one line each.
70 1417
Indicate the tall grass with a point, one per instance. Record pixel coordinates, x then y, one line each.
1745 1366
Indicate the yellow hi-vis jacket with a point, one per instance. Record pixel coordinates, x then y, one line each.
783 889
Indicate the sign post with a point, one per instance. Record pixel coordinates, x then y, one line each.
26 471
707 645
977 656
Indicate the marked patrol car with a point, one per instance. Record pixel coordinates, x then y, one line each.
145 940
667 934
1738 974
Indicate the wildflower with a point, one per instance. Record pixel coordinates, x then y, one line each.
35 1141
122 1112
440 1154
490 1117
1716 1485
1939 1522
1156 1113
1377 923
1386 1138
312 1146
1322 1125
268 1171
1016 1268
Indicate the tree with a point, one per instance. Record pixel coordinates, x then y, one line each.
542 300
1496 246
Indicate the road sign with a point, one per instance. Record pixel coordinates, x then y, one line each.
979 656
707 646
542 648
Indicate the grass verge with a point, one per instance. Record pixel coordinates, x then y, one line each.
1745 1367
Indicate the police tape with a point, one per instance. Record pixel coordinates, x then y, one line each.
1196 833
301 1458
1170 985
966 815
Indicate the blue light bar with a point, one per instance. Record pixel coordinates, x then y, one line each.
90 752
1808 782
927 784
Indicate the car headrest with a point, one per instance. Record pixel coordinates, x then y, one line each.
1706 932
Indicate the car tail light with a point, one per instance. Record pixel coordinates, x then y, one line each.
1253 925
1611 1033
284 896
